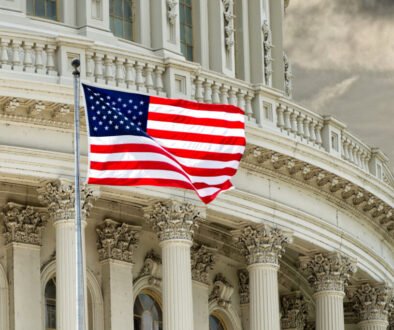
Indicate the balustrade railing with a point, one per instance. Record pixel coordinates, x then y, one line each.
28 56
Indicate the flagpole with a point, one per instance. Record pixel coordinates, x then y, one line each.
79 275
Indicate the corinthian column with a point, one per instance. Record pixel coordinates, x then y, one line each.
116 243
175 224
59 197
22 233
328 274
371 305
262 246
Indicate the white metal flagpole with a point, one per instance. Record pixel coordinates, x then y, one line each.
79 275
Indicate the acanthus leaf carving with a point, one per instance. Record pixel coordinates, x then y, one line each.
267 42
294 311
222 291
151 268
288 75
228 13
243 278
172 12
202 261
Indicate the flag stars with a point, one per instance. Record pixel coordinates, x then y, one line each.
119 99
98 112
124 105
100 123
142 102
106 128
129 111
140 113
94 117
95 128
91 97
116 126
130 101
92 107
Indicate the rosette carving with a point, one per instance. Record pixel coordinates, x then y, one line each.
294 311
261 244
328 272
23 224
117 241
202 260
243 278
173 220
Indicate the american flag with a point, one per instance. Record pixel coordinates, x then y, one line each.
137 139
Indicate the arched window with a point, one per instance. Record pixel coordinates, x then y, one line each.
147 313
50 304
215 323
186 26
121 18
43 8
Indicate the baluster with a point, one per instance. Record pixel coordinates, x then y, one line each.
351 152
130 74
293 122
4 60
120 72
248 106
207 91
109 69
232 98
50 66
98 68
39 61
223 95
159 85
319 139
345 153
215 93
312 136
16 61
306 128
139 79
358 156
367 158
89 65
286 116
149 78
241 100
27 57
199 95
281 122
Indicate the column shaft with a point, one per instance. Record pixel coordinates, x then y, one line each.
329 310
373 325
177 285
264 297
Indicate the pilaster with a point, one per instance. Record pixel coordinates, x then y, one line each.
116 243
200 32
243 282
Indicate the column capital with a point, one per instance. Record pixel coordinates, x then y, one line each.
23 223
294 311
117 241
261 243
173 220
202 260
329 271
243 279
371 303
59 195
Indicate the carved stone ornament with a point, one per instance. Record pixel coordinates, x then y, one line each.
117 240
23 224
294 311
243 278
261 243
59 195
151 268
288 75
173 220
371 302
222 291
228 13
172 11
328 272
202 260
267 42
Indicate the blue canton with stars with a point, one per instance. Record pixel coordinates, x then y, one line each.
112 113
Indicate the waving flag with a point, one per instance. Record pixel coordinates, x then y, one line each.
136 139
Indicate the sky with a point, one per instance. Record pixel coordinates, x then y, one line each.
342 53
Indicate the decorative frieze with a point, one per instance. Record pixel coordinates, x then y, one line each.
173 220
222 291
172 11
202 260
228 13
59 196
261 243
371 302
294 311
243 278
116 240
23 224
328 272
267 42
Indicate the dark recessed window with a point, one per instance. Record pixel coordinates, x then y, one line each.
50 304
43 8
215 323
147 313
186 26
121 18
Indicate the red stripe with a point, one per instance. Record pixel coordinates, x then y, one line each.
188 120
157 165
195 137
195 105
192 154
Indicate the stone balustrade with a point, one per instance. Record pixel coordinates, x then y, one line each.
29 56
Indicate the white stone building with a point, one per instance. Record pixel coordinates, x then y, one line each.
305 240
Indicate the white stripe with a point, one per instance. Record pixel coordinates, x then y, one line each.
151 156
211 114
120 139
161 174
199 129
201 146
204 192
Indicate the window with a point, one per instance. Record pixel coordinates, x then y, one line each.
186 25
43 8
50 304
147 313
121 18
215 323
